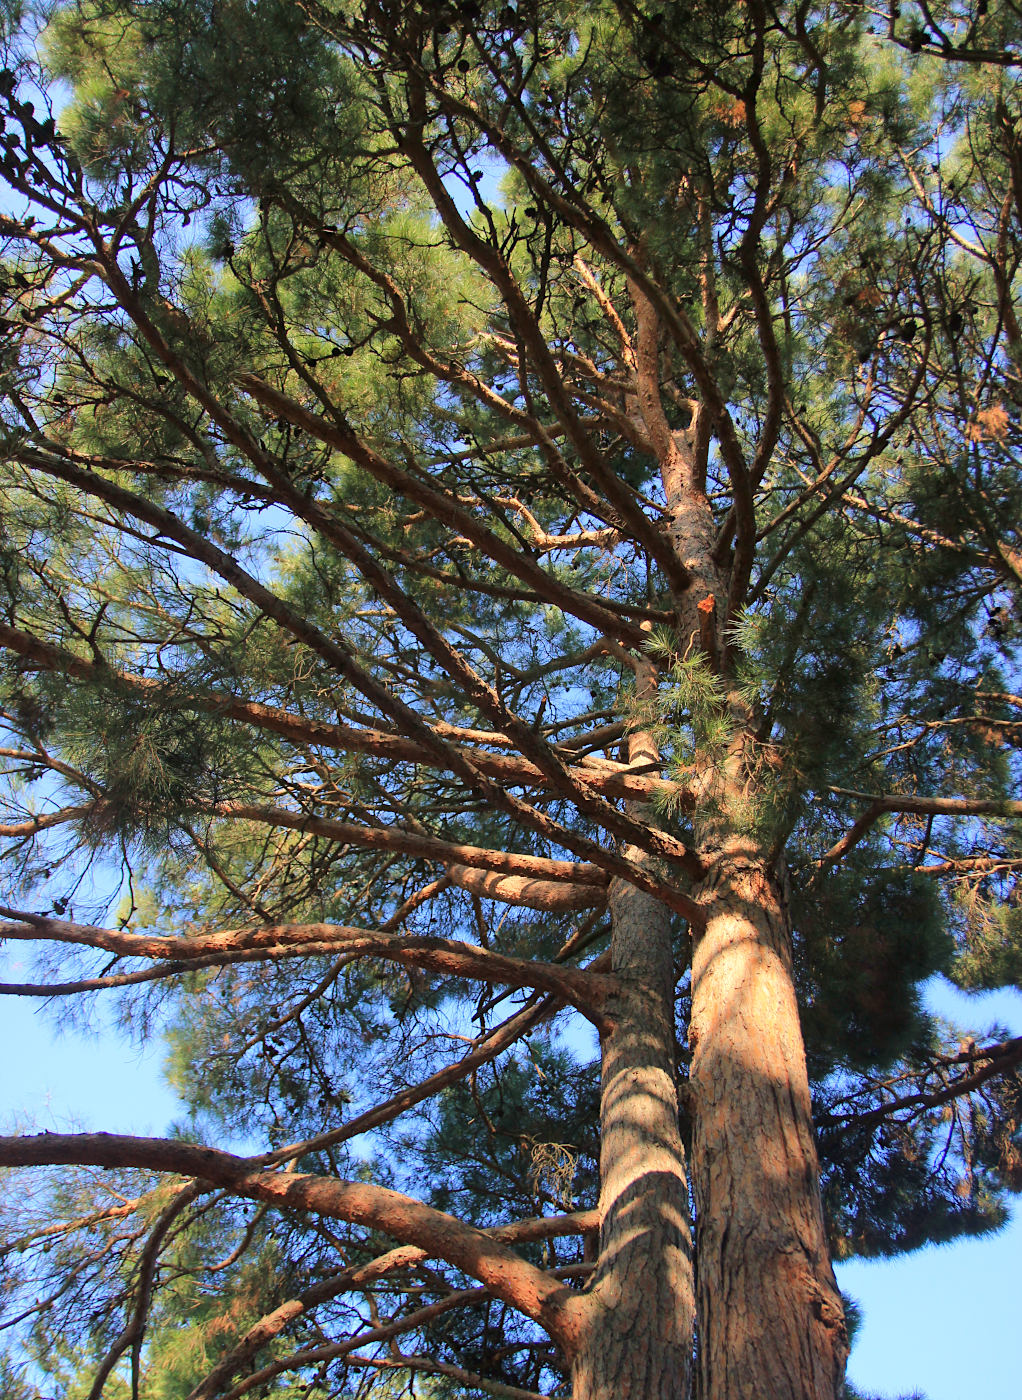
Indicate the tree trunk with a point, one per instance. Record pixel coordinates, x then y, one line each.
636 1337
771 1323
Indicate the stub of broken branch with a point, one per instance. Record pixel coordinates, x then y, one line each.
707 610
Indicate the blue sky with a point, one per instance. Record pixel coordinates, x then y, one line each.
943 1322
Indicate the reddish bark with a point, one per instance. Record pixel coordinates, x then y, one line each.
600 775
551 896
480 1254
584 989
771 1323
393 838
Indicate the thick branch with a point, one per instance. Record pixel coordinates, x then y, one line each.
924 806
497 1267
549 896
445 956
390 838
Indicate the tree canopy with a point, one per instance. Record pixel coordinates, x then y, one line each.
509 619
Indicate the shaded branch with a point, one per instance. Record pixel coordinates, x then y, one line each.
923 806
993 1060
498 1040
438 504
549 896
309 1356
134 1330
610 778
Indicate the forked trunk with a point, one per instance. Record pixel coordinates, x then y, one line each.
771 1324
636 1338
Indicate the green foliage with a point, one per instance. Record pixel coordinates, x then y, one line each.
865 941
320 415
524 1131
992 956
154 763
693 706
883 1196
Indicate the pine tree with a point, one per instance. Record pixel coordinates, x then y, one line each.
509 539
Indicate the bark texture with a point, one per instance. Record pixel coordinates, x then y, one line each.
550 896
771 1324
636 1340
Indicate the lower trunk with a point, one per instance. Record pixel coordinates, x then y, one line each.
771 1324
636 1337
